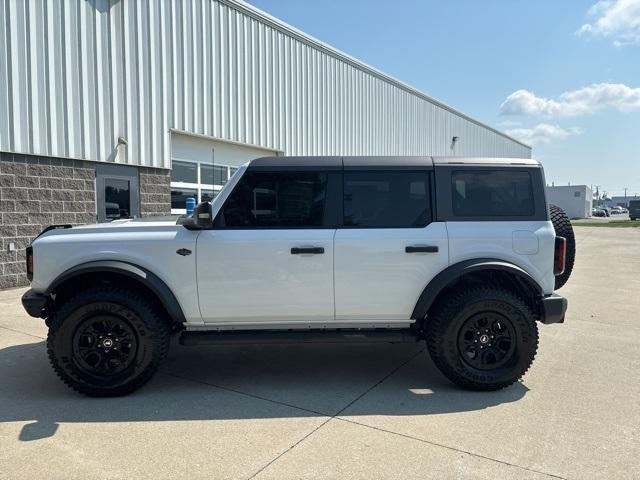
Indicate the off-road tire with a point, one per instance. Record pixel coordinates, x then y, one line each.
563 228
445 324
148 327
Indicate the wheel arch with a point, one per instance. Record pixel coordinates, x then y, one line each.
134 275
484 269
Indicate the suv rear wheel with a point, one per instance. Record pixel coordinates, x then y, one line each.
107 341
482 338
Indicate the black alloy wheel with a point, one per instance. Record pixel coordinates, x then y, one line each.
487 341
104 345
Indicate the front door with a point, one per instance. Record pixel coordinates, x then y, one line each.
388 249
270 258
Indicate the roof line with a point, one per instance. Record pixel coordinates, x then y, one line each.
290 30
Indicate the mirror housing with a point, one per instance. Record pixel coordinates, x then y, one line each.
201 219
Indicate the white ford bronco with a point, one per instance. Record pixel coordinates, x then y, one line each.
460 252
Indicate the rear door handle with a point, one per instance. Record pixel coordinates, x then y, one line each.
307 250
421 249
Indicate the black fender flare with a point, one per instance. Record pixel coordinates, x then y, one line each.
141 274
452 272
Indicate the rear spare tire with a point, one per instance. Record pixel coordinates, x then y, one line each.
563 228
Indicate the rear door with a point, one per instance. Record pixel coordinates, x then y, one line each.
388 248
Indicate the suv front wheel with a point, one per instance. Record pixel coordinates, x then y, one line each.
482 338
107 341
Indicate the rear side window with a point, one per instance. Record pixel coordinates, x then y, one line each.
395 199
277 200
492 193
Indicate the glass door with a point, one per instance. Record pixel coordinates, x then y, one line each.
117 192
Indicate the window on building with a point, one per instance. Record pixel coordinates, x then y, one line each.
207 195
117 198
185 172
277 200
214 174
492 193
386 199
200 180
179 197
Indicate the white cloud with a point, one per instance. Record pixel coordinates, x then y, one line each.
615 19
543 133
575 102
509 124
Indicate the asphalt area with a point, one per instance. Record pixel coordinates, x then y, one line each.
347 411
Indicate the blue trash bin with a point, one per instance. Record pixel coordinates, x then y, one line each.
191 205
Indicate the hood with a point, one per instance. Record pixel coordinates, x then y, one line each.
160 223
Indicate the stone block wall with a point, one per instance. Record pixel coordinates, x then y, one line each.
155 192
36 192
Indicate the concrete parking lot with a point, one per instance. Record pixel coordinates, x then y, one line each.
376 411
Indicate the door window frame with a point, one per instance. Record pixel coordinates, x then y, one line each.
332 214
428 172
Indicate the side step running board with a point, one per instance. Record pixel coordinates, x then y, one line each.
276 337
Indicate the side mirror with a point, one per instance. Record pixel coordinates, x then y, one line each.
201 219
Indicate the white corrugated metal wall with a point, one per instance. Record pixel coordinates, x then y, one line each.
77 74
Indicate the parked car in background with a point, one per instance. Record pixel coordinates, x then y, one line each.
617 210
634 209
598 212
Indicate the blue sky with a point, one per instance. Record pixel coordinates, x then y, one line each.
566 73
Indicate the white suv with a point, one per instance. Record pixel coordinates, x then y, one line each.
459 252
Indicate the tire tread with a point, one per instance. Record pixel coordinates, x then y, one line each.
448 307
563 228
152 318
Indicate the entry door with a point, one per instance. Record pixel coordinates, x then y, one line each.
117 192
270 258
389 249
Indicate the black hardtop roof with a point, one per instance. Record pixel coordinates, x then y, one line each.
338 163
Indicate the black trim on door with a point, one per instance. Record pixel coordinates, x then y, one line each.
307 250
421 249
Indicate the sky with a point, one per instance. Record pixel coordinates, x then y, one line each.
562 76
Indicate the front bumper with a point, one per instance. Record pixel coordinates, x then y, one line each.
553 309
35 304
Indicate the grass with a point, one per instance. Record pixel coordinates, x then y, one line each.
610 224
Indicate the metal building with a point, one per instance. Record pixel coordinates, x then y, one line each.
575 200
173 95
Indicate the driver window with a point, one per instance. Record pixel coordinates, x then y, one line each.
276 200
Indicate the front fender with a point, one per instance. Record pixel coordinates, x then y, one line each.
147 278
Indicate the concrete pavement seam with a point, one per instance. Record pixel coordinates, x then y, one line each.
23 333
392 372
459 450
240 392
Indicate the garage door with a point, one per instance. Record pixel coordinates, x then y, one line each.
200 167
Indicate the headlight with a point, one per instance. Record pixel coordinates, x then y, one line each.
30 262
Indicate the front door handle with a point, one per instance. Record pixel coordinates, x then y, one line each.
421 249
307 250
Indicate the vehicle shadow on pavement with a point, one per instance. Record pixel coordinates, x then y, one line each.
248 382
